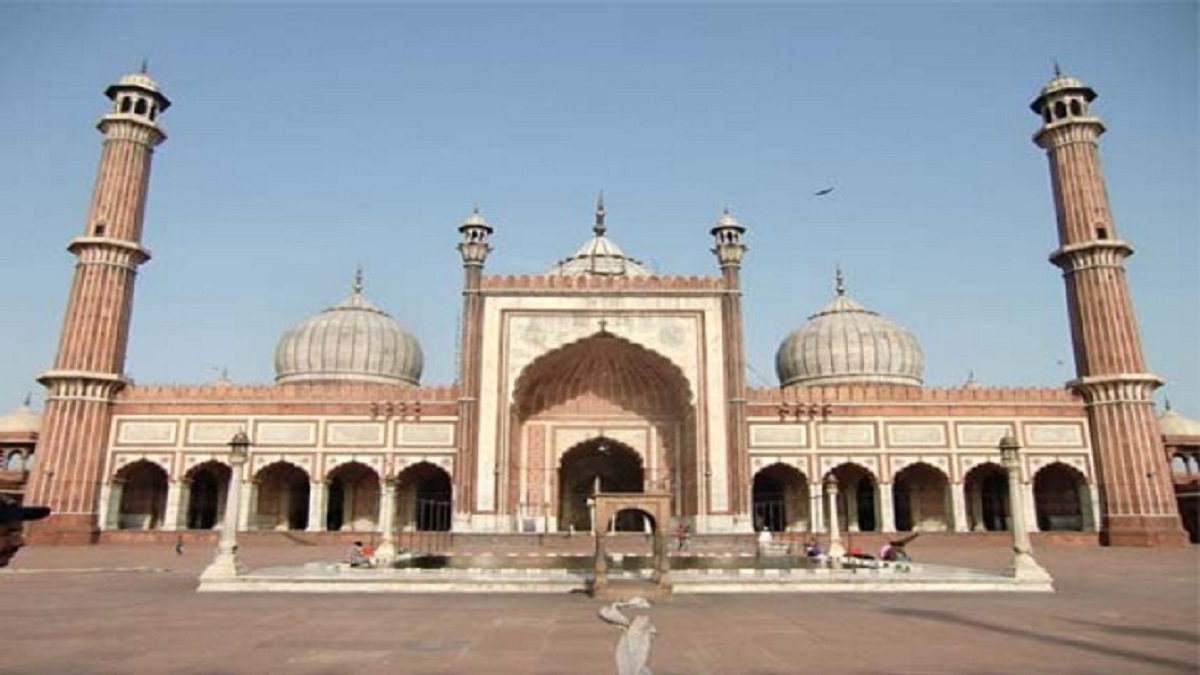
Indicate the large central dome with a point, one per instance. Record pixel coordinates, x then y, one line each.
600 256
848 343
351 341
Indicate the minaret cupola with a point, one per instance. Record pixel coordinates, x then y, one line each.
1063 100
727 235
474 246
136 97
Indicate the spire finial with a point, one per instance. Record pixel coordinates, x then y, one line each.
145 67
1057 69
1166 401
358 280
29 399
598 227
840 281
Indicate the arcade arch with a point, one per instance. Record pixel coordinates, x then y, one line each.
208 484
985 488
781 497
352 499
423 499
921 499
142 502
858 503
1061 499
282 503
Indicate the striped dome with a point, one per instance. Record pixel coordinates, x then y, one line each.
351 341
847 343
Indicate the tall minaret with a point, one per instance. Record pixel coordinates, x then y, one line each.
474 248
1137 500
730 249
88 371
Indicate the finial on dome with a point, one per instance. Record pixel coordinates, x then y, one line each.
145 67
1057 69
1166 403
598 227
840 281
29 399
358 280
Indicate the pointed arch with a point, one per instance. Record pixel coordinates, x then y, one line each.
858 497
1061 498
352 500
143 496
207 486
985 490
596 465
282 497
424 498
602 368
781 497
921 499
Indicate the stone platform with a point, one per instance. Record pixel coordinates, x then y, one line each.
520 576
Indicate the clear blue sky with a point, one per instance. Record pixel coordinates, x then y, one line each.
306 139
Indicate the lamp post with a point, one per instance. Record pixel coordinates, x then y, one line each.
836 550
1024 566
226 565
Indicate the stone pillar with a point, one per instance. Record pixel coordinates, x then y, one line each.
1024 566
816 511
175 491
958 506
976 498
1029 506
316 506
108 508
1093 508
852 509
247 493
836 550
385 552
887 508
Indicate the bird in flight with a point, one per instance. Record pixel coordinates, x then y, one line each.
822 193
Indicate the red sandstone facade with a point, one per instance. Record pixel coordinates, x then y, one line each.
621 382
1135 486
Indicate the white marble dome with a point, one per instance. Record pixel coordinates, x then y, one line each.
351 341
848 343
600 256
1171 423
23 420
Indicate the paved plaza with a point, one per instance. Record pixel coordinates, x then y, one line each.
134 609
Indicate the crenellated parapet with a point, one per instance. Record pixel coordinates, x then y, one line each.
607 284
335 398
898 393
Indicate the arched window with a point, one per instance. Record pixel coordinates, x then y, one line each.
153 112
1076 108
1060 110
140 108
126 104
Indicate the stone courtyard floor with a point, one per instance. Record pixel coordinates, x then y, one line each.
134 609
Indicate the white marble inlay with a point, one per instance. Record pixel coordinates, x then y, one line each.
285 433
776 435
901 435
354 433
213 433
424 434
842 435
147 433
983 434
1060 435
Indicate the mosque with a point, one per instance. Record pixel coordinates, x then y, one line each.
599 374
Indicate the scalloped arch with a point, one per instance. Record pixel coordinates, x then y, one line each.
607 365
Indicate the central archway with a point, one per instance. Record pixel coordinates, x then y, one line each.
598 465
598 388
